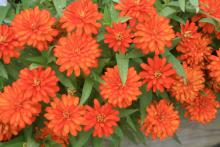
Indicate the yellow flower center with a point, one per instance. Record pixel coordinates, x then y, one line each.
157 74
100 118
119 36
71 91
77 50
66 115
187 34
82 14
36 82
137 2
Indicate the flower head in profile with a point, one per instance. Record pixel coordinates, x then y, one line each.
34 27
195 52
40 84
161 121
211 7
101 118
7 131
77 52
65 115
119 37
137 9
157 74
16 109
119 94
9 45
154 35
81 16
203 108
213 66
186 90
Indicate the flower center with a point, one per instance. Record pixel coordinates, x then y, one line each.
100 118
2 39
82 14
71 91
157 74
36 82
137 2
187 34
76 50
119 36
66 115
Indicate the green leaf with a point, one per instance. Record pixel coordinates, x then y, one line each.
83 138
123 19
176 64
119 132
134 54
122 63
38 60
182 4
116 1
3 12
106 17
97 142
3 72
28 131
87 89
211 21
131 123
126 112
18 141
145 100
176 138
195 3
59 6
167 11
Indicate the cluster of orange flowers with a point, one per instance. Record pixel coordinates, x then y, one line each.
78 51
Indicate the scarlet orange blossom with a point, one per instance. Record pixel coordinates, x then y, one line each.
213 67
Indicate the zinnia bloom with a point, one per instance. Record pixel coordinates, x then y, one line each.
119 37
101 118
40 84
34 27
77 52
9 45
211 7
186 90
82 16
204 107
65 116
137 9
213 67
158 74
161 121
115 92
195 52
16 109
154 35
7 131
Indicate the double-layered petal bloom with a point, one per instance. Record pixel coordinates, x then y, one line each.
211 7
118 37
154 35
65 115
119 94
203 108
213 66
157 74
81 16
40 84
101 118
77 52
34 27
9 45
16 109
161 121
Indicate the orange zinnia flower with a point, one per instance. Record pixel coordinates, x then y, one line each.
157 74
16 109
101 118
77 52
65 116
7 131
161 121
39 84
82 16
188 32
195 52
119 37
34 27
115 92
204 107
9 45
211 7
187 90
213 67
137 9
153 35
